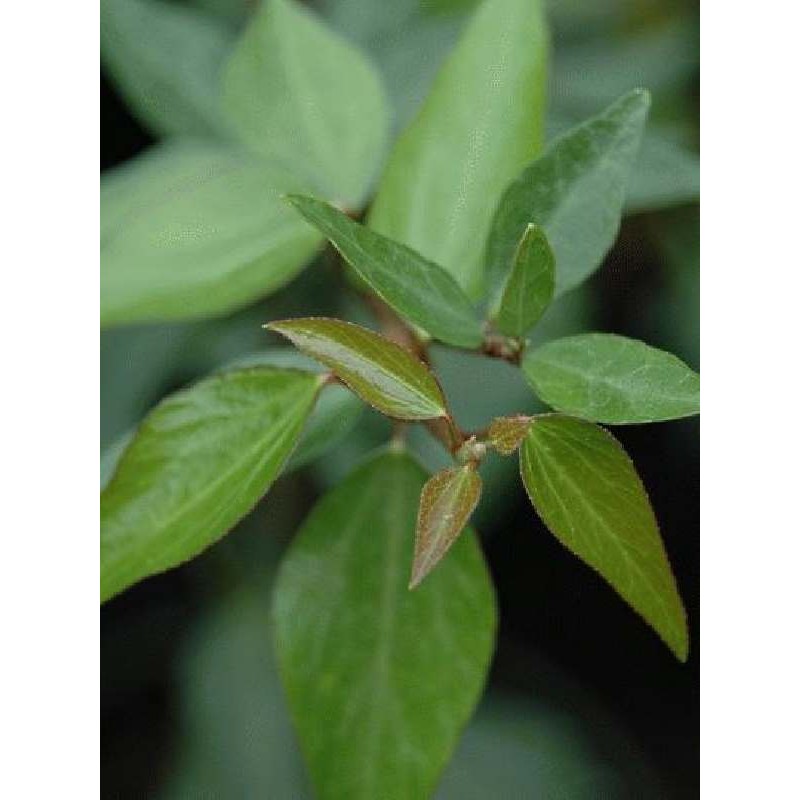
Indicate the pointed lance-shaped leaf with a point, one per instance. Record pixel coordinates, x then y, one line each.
299 94
530 286
608 378
398 672
445 505
380 372
576 191
416 288
587 492
481 123
505 434
199 462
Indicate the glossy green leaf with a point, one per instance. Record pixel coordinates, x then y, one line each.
587 492
481 123
445 505
530 286
416 288
380 680
192 230
198 463
608 378
505 434
299 94
575 190
166 60
379 371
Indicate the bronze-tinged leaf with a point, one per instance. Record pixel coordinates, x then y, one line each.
445 505
506 433
380 372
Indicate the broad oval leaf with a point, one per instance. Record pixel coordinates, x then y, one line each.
379 371
194 230
587 492
608 378
198 463
445 505
416 288
298 93
576 191
505 434
530 286
481 123
380 680
166 60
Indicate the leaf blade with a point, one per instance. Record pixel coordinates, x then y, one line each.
355 646
575 190
612 379
482 121
530 286
379 371
505 434
298 93
445 506
416 288
586 490
193 230
199 462
166 60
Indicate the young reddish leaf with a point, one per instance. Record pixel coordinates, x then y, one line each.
506 433
530 286
445 505
379 371
587 491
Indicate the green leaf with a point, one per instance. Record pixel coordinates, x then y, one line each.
575 190
608 378
193 230
530 286
199 462
481 123
379 371
416 288
445 505
380 680
505 434
587 492
298 93
166 60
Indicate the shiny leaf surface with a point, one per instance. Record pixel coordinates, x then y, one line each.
587 492
379 371
198 463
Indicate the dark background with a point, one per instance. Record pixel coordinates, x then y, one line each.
571 656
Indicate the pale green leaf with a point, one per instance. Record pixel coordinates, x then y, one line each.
587 492
505 434
530 286
575 190
298 93
198 463
166 60
380 680
416 288
445 505
193 230
481 123
608 378
379 371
